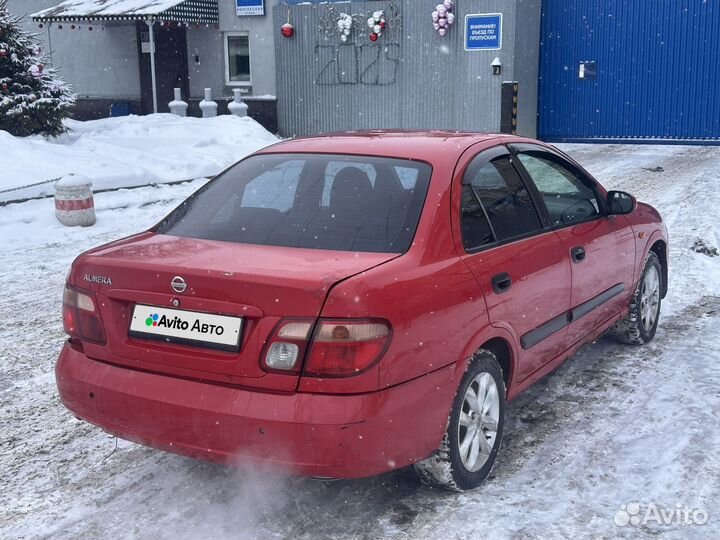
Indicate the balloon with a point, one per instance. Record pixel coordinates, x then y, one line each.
442 12
435 16
442 31
449 4
450 18
436 26
287 30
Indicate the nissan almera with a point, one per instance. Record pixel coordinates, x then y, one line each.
346 305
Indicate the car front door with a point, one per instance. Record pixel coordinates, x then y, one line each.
521 265
601 247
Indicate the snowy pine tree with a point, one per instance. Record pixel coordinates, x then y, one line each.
33 100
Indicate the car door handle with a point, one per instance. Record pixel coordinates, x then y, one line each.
577 254
501 283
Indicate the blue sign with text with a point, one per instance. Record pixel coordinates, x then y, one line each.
483 32
250 7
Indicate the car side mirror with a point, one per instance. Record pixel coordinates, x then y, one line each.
619 203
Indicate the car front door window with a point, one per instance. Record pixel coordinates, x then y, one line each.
567 198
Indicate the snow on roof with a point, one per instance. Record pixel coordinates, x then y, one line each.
180 10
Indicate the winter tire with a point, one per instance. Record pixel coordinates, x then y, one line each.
474 432
641 323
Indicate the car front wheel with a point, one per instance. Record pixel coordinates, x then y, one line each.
474 432
640 325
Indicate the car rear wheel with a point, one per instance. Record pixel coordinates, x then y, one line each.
475 427
640 325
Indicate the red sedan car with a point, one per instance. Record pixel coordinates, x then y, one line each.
345 305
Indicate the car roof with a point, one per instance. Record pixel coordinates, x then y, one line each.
404 144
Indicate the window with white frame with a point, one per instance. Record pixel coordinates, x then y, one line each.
237 59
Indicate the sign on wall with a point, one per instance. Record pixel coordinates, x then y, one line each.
483 32
250 7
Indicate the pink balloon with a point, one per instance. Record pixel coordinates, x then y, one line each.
442 23
436 26
442 12
442 31
448 4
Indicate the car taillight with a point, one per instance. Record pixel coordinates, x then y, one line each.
337 348
285 349
81 318
346 347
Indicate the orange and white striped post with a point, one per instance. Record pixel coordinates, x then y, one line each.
74 203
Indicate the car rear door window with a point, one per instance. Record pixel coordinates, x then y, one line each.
496 205
347 203
566 196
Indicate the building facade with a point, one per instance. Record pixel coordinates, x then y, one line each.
564 71
107 61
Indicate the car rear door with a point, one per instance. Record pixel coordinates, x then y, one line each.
521 265
601 247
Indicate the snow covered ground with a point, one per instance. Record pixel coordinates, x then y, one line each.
614 426
128 151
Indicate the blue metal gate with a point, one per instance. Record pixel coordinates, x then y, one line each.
630 69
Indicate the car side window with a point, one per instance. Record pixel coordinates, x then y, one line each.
496 205
567 198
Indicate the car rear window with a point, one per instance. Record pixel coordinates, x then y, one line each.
347 203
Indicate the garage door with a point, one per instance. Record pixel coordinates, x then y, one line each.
626 69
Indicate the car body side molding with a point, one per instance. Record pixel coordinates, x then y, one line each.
556 324
586 307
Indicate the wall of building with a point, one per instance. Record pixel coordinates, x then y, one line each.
525 63
206 53
411 78
262 45
98 64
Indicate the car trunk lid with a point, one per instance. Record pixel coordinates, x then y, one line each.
259 284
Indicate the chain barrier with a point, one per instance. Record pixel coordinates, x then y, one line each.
20 188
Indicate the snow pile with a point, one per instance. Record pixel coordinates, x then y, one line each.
128 151
74 181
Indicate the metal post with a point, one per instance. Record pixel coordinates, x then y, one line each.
50 49
151 26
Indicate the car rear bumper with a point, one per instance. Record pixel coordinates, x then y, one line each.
301 434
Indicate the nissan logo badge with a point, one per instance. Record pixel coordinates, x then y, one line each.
178 284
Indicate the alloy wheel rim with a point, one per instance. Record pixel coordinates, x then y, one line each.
479 419
650 299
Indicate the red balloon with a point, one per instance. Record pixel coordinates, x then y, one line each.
287 30
373 37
